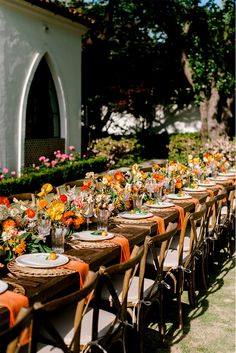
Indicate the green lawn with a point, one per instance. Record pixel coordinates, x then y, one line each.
210 328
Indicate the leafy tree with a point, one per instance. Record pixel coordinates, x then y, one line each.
208 63
139 54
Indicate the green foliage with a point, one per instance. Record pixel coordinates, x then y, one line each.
210 47
182 145
123 152
138 47
33 182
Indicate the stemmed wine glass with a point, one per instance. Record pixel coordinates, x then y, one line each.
44 226
88 211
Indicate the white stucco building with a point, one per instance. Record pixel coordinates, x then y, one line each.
40 81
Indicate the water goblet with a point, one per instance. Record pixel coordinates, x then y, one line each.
88 212
44 226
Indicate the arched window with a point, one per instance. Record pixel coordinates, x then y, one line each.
42 113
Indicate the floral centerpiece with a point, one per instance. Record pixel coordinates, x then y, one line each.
18 227
65 210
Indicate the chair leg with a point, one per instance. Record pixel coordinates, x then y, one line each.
191 287
204 270
179 299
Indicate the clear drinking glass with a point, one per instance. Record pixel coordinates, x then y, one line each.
137 201
102 220
58 238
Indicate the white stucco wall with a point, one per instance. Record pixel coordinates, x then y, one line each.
27 33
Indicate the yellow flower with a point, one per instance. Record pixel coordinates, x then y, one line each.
45 189
55 210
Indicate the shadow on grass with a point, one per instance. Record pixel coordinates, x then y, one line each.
173 333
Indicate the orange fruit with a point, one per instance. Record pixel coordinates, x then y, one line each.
52 255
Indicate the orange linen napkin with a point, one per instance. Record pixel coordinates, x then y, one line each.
195 201
125 249
210 192
181 215
80 267
13 301
160 224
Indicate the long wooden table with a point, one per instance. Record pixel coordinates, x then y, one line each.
46 288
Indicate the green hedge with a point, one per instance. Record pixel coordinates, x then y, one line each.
33 182
182 145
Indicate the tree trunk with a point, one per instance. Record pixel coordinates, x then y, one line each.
215 129
208 107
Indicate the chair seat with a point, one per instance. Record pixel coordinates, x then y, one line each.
224 210
175 241
171 259
65 322
117 281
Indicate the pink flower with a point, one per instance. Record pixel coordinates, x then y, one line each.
42 158
5 170
53 163
1 176
71 148
78 202
13 173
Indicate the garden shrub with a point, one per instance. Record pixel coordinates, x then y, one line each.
119 153
182 145
32 182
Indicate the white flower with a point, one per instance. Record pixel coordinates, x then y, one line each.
4 212
6 236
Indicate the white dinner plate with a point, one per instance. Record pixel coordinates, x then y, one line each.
226 174
200 188
3 286
160 204
135 215
178 197
219 178
41 260
87 235
207 183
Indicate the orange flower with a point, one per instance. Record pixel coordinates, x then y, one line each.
42 203
87 183
158 177
8 223
4 201
107 179
118 176
68 221
178 185
67 214
30 213
135 189
78 221
20 249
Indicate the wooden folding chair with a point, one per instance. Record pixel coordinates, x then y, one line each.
115 294
157 249
24 196
65 324
13 339
179 263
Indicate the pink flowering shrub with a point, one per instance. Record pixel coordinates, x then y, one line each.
6 174
60 159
